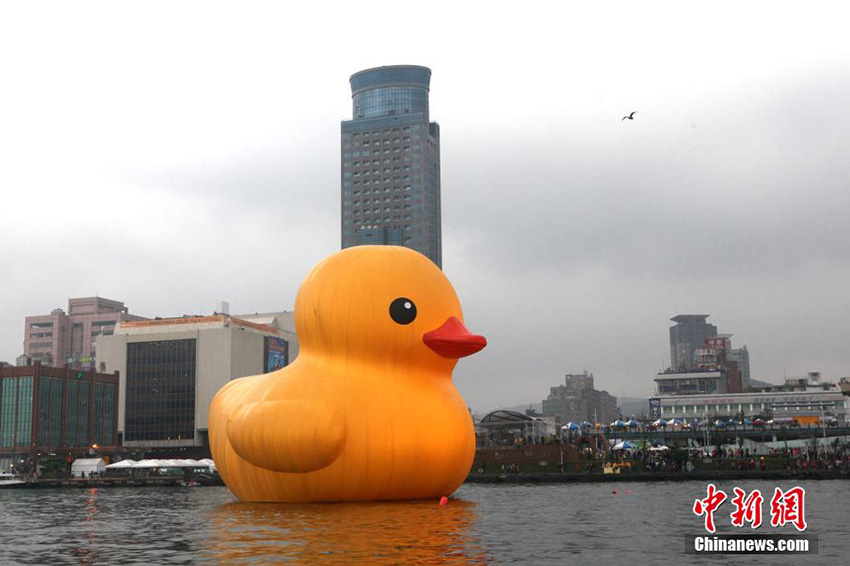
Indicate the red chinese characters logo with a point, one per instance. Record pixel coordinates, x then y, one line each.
788 507
709 505
747 508
785 507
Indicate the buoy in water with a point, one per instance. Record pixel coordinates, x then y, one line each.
444 500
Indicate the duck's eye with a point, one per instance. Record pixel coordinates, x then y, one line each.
403 311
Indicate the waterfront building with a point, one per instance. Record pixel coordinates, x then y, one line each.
171 369
686 337
804 399
49 410
391 162
577 400
691 383
61 338
802 406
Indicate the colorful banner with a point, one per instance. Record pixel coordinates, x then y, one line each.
276 353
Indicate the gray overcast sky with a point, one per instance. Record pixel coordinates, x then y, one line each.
174 154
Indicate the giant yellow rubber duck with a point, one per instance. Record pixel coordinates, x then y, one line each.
368 410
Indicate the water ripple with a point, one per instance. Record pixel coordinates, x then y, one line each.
548 524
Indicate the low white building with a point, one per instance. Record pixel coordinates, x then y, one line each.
780 403
691 383
172 368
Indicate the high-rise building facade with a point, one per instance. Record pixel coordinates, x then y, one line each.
48 410
577 401
171 368
686 337
59 338
742 356
391 162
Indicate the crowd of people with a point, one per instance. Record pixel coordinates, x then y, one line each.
806 460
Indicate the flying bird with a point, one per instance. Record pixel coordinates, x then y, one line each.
630 116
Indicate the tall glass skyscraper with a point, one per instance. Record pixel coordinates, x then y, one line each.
391 162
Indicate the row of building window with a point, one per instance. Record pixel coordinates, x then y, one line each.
377 200
377 190
372 234
385 221
377 162
384 132
358 211
385 188
734 407
387 141
386 180
373 162
386 171
43 325
368 152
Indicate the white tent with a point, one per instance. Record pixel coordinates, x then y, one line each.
83 467
173 463
153 464
123 464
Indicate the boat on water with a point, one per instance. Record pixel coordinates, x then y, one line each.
8 480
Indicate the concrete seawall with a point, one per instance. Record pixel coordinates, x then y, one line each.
718 475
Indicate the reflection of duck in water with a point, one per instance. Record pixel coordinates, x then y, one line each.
368 411
408 532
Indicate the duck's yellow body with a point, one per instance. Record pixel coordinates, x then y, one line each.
368 410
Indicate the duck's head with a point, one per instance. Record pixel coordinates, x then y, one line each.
383 304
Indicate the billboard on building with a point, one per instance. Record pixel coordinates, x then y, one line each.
654 408
276 353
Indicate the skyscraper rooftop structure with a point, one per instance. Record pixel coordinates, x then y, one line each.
688 335
391 162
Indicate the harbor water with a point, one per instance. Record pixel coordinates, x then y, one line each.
600 523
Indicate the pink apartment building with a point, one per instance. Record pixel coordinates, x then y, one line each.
61 338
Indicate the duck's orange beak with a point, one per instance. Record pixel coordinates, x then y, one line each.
453 340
